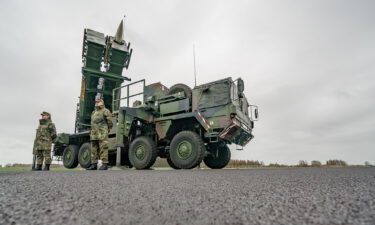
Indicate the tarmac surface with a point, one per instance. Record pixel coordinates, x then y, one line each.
255 196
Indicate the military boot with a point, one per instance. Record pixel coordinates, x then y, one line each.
92 167
46 167
104 167
38 167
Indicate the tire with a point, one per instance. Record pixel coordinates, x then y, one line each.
180 88
70 156
142 153
84 155
221 160
187 150
170 163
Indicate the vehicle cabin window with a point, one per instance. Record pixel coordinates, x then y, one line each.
217 94
234 95
245 106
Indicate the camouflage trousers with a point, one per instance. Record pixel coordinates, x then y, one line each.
43 155
99 150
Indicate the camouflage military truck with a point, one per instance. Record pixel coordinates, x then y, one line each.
186 126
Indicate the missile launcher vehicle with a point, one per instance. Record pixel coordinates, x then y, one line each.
186 126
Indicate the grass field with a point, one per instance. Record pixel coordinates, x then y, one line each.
64 169
28 169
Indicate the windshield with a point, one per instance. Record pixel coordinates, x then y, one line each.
216 94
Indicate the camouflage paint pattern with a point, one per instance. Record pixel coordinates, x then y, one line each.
101 123
215 110
43 155
156 90
99 150
45 135
213 107
162 128
125 121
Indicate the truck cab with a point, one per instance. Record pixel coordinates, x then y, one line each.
226 109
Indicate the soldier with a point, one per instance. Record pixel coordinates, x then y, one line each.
45 135
101 123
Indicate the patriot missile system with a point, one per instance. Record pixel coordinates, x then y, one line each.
186 126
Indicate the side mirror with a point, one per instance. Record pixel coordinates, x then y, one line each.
254 113
240 86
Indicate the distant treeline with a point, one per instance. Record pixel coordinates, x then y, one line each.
243 164
234 163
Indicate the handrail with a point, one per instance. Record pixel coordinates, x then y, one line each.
116 101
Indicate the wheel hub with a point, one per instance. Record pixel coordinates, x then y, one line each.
85 155
68 155
140 152
184 150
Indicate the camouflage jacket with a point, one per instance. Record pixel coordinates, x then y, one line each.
45 135
101 123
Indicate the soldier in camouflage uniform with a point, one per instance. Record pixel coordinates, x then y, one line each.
45 135
101 123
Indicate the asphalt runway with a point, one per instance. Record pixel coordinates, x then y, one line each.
255 196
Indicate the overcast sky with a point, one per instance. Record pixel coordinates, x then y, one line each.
308 65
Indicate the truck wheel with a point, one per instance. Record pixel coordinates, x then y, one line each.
187 150
142 153
220 160
170 163
70 156
84 155
180 88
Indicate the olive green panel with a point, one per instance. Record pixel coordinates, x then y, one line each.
162 128
111 144
212 94
62 138
120 129
117 56
117 61
155 90
93 49
89 91
174 107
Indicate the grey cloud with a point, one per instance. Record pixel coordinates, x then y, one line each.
309 65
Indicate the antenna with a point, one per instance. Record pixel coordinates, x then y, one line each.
195 68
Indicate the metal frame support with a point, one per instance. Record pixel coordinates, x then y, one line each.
128 96
118 156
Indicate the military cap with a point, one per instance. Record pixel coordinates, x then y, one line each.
44 113
99 100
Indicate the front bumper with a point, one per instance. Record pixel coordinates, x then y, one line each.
237 134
